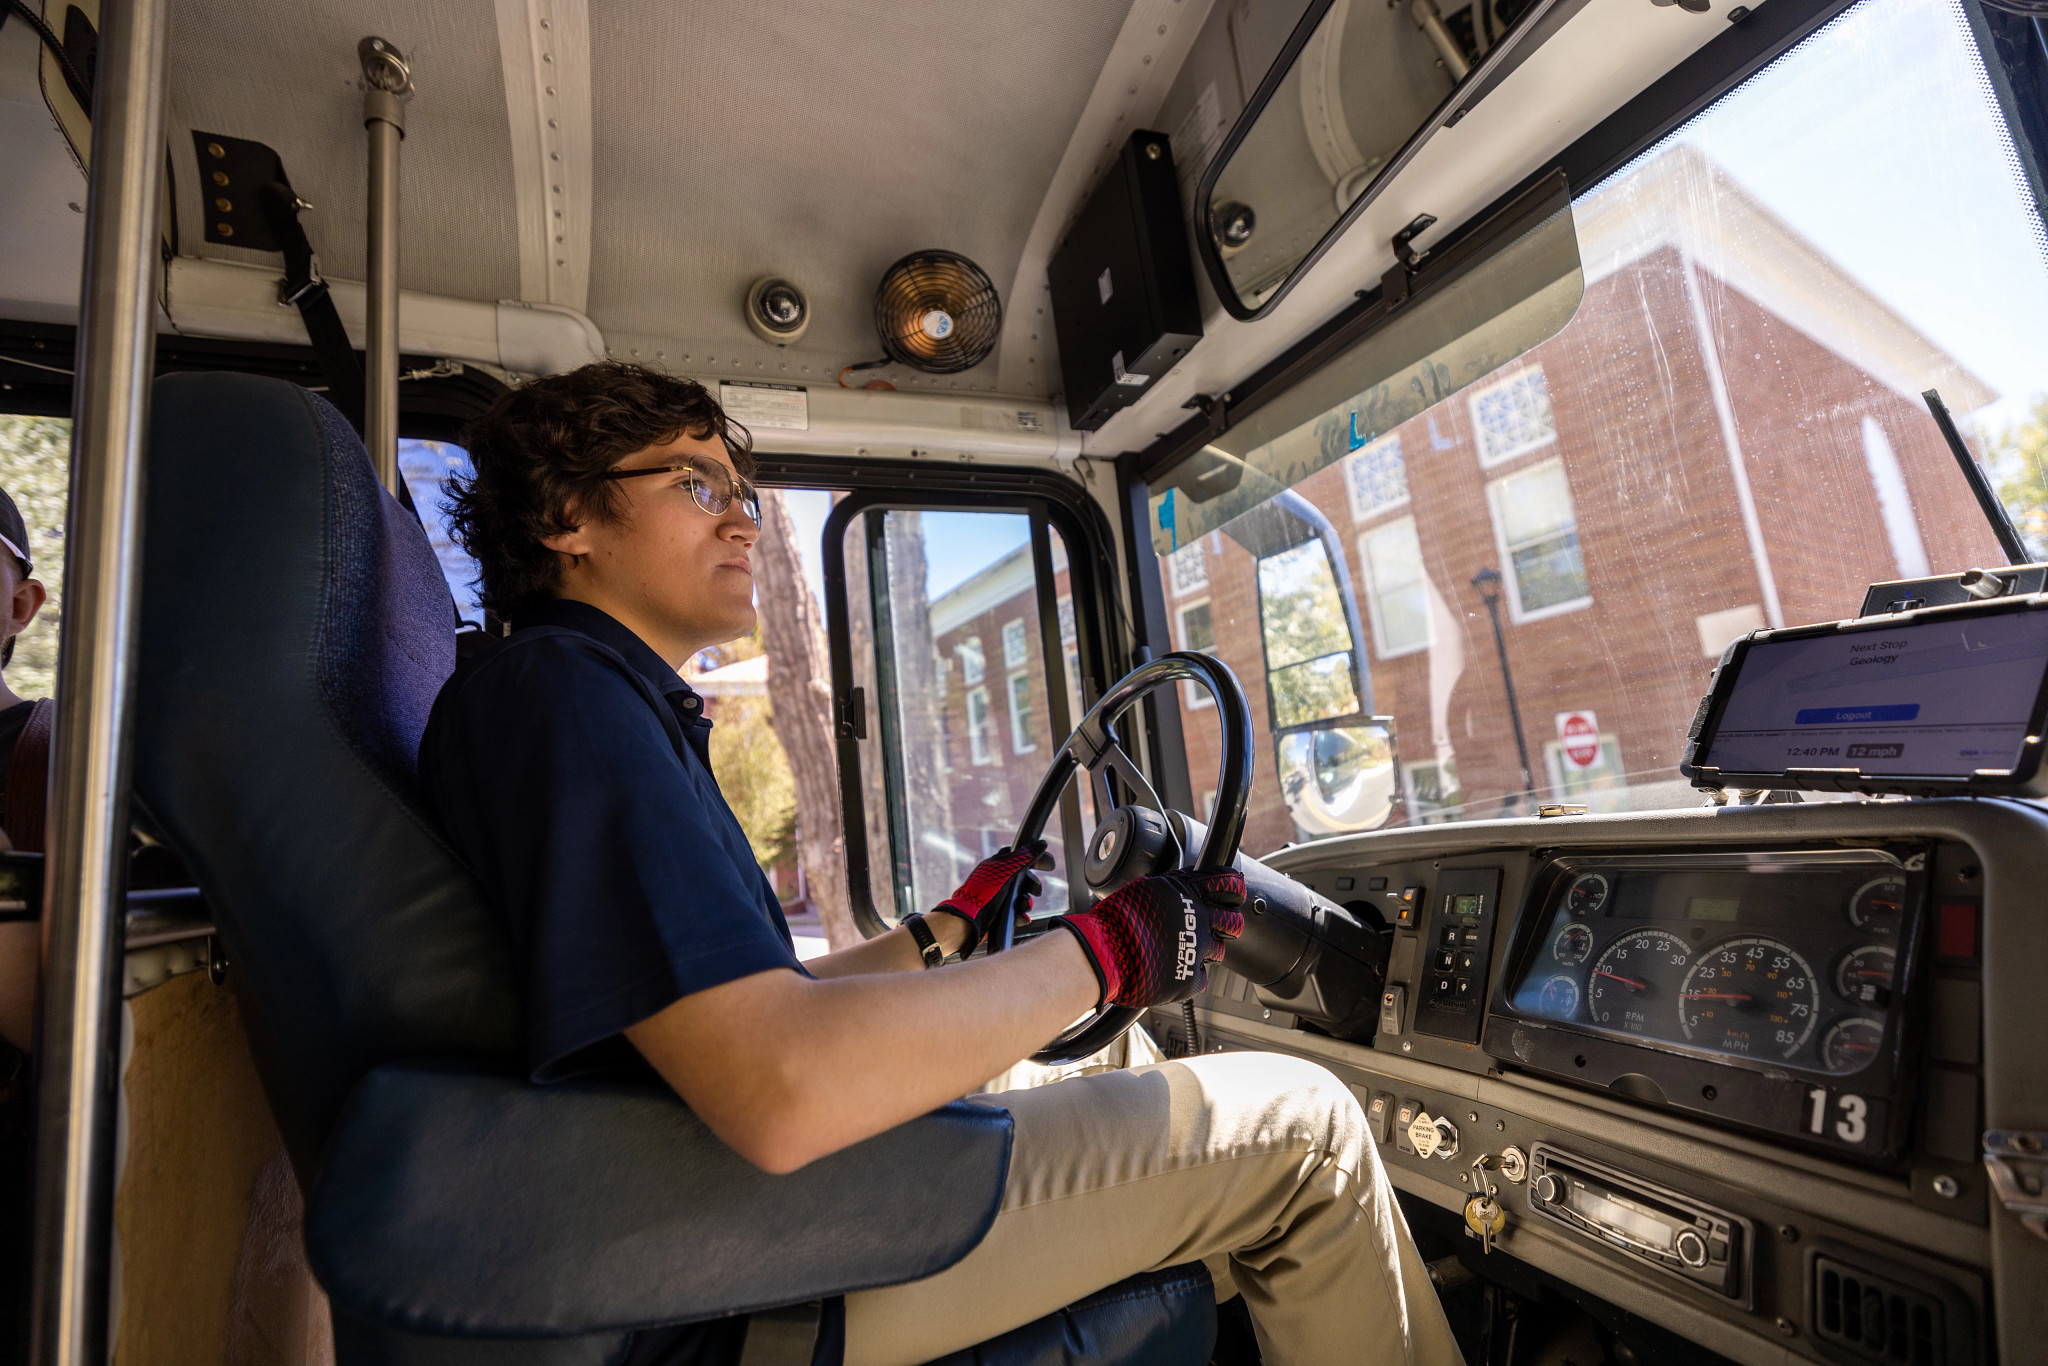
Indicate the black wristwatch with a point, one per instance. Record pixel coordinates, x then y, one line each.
927 944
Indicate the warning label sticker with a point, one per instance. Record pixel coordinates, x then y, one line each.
787 406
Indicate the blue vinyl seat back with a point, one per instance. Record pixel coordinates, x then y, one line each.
295 630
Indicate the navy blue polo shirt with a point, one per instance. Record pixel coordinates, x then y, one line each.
570 766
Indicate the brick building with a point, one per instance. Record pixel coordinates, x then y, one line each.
1727 435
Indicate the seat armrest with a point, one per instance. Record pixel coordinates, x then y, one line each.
452 1202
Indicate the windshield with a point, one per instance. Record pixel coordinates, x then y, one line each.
1516 595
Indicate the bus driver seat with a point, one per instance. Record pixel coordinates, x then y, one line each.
295 630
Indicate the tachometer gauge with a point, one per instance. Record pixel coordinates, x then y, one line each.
1633 983
1559 998
1588 894
1878 904
1850 1045
1572 944
1752 996
1865 975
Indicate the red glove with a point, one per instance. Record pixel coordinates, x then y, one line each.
984 898
1151 941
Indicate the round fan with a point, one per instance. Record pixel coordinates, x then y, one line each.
938 312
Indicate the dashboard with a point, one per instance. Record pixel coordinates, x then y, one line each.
1730 1070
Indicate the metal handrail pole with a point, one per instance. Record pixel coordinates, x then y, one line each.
79 1037
388 84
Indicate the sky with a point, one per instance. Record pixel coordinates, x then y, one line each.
957 545
1879 139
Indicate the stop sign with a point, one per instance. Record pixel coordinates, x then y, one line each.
1578 732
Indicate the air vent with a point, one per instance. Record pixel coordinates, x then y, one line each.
1875 1318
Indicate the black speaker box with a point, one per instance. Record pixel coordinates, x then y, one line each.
1123 286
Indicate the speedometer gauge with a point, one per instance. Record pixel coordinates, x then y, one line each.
1633 983
1752 996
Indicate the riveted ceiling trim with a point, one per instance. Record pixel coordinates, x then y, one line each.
1148 54
545 48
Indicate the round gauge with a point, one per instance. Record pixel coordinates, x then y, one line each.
1559 998
1572 944
1878 904
1634 981
1865 975
1752 995
1851 1043
1587 894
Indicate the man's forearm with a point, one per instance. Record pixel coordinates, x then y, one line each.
895 951
787 1069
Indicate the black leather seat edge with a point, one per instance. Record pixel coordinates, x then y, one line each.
295 630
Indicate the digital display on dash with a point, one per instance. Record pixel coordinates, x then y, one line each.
1713 908
1608 1214
1934 699
1466 903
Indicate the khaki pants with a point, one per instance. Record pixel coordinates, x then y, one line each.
1255 1163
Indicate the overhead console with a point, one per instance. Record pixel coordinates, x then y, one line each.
1759 987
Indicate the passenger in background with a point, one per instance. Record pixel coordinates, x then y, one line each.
24 779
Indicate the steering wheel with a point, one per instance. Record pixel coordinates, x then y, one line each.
1093 746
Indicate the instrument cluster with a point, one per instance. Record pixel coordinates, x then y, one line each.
1779 960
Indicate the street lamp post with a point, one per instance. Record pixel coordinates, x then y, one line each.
1487 581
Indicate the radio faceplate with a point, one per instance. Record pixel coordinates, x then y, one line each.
1657 1227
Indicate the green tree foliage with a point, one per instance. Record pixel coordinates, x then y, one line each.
748 761
35 469
2019 461
1308 644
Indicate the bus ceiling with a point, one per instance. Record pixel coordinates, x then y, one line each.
535 235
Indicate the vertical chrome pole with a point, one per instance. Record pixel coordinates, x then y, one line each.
78 1057
387 85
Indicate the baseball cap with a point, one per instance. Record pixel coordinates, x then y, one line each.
14 533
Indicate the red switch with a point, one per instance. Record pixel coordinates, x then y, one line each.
1956 932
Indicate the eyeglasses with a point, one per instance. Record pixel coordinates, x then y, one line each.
711 484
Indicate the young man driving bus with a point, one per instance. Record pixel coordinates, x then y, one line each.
612 520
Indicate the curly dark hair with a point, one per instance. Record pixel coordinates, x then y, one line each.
543 448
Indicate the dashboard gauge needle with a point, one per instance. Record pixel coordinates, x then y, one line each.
1628 982
1717 996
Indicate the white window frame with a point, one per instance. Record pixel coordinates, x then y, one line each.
1511 589
1452 812
1360 510
1013 635
973 663
1372 597
979 751
1197 579
1193 696
1489 459
1021 741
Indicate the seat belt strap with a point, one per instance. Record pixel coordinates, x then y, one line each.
305 289
783 1337
28 779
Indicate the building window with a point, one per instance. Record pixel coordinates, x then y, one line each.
1068 635
1022 741
1538 536
1598 787
1513 417
971 667
1375 477
978 747
1187 570
1432 791
1198 633
1396 588
942 671
1013 643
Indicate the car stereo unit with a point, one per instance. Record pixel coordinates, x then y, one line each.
1673 1233
1938 701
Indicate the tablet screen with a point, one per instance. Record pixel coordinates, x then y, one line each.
1934 698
